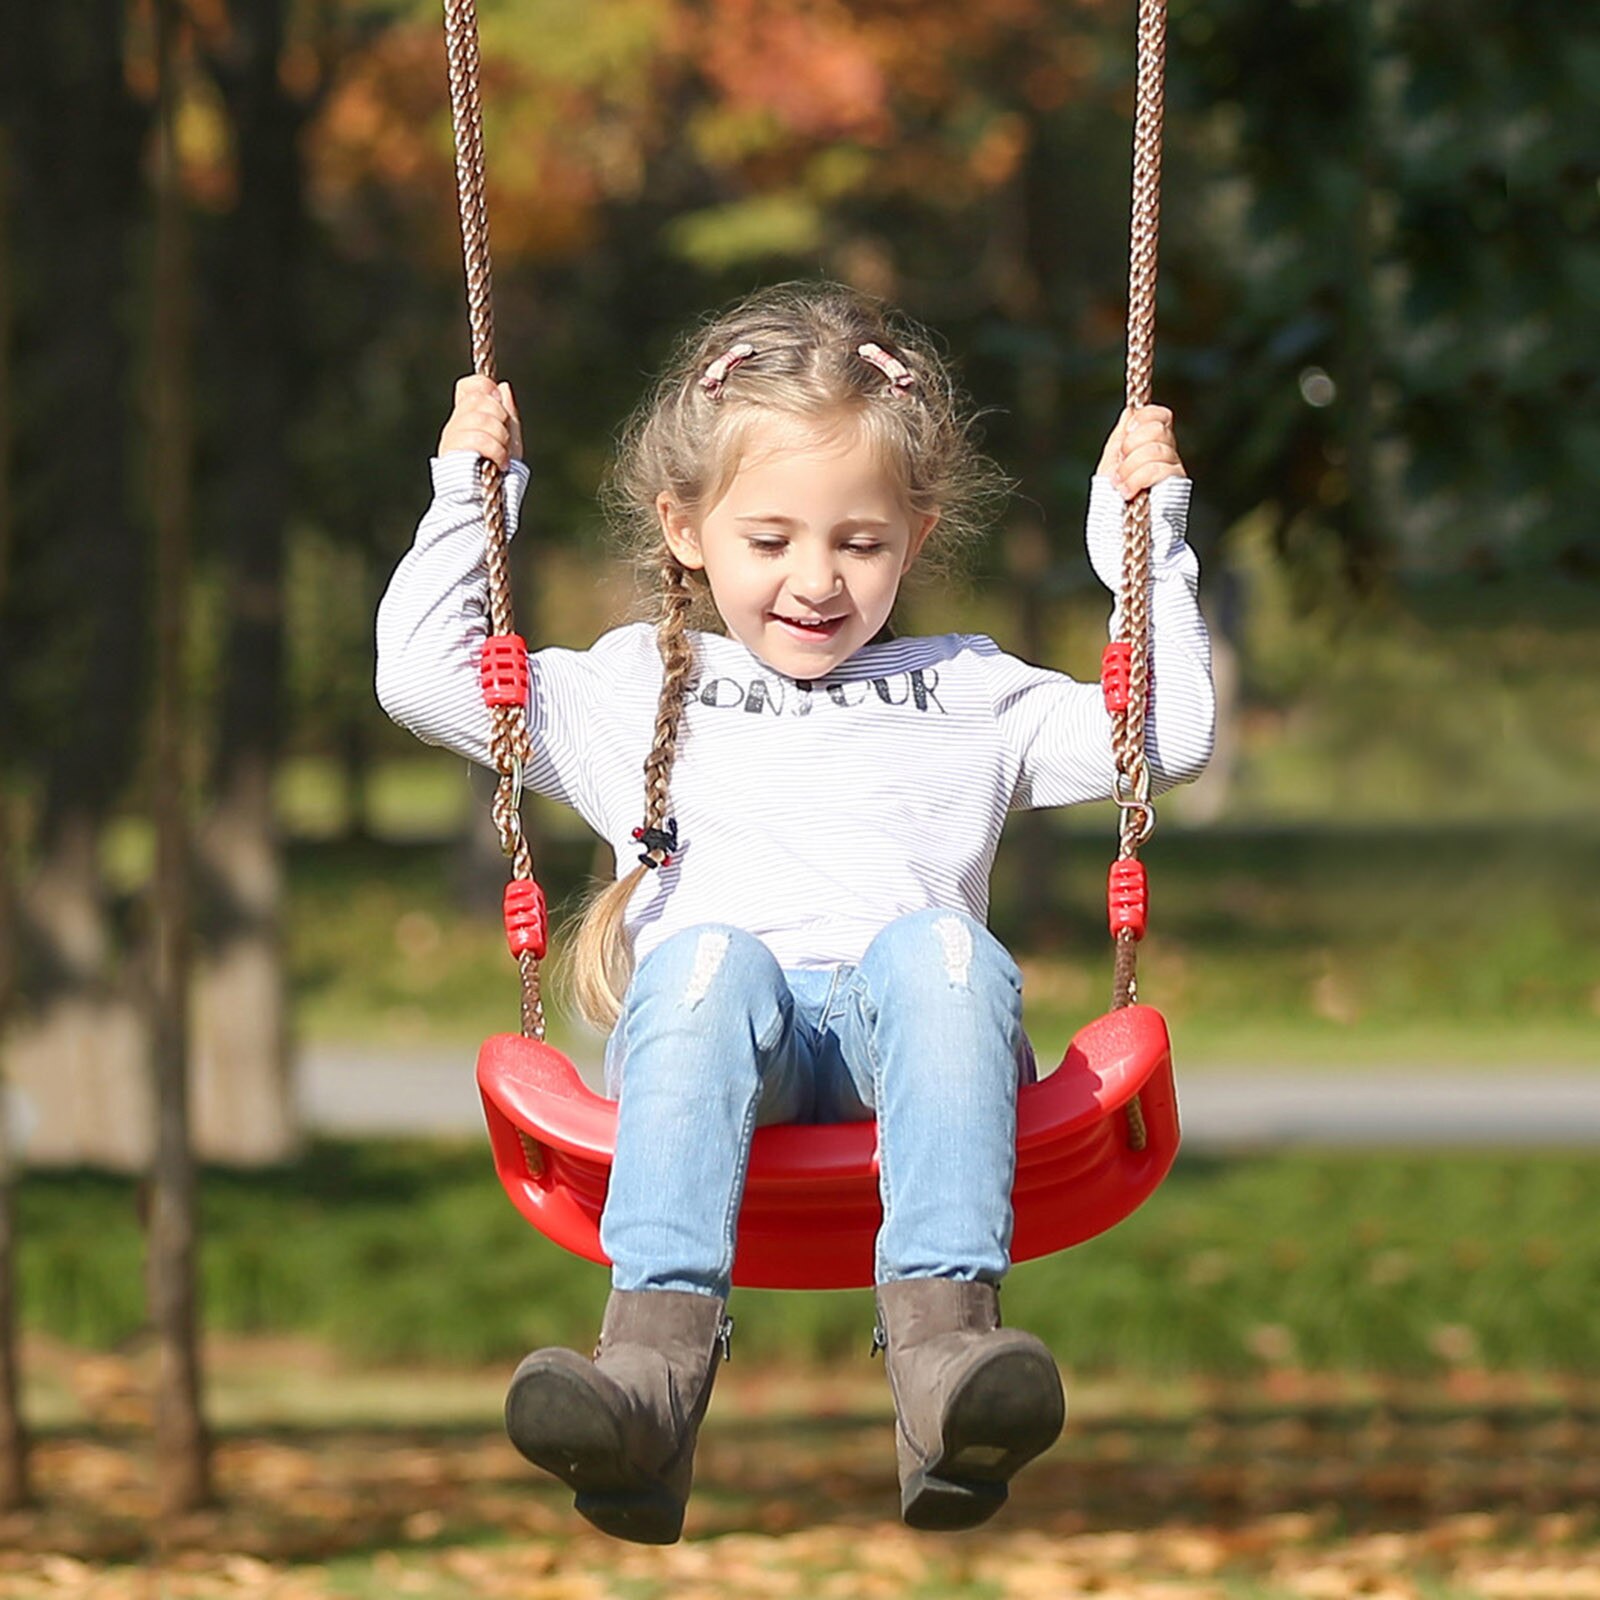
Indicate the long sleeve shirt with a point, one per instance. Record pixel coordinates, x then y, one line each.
809 812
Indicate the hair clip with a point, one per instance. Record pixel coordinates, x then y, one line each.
717 373
659 844
900 376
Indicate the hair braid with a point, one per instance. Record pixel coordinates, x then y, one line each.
677 663
602 958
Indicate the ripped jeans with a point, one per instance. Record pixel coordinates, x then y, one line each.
715 1038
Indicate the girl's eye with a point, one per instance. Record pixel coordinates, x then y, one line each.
863 547
768 547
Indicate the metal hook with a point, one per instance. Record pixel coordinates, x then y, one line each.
1138 800
508 815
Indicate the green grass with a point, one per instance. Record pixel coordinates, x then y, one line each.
1342 1262
1462 945
1471 945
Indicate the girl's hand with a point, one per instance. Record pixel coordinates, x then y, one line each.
484 421
1141 451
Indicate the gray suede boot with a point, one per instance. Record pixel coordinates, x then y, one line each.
973 1401
620 1430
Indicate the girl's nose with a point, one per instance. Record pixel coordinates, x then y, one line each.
814 581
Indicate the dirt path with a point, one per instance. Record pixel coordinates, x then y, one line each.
352 1092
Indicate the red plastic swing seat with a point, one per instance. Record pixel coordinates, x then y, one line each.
811 1210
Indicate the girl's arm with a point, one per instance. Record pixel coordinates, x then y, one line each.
433 618
1142 453
1060 729
1182 719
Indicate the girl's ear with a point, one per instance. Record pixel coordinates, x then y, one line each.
919 537
683 539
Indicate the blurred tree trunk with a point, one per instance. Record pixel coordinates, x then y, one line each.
355 771
182 1448
77 135
1358 356
1019 272
15 1489
1026 552
243 1105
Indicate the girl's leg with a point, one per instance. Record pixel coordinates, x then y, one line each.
936 1042
933 1038
705 1048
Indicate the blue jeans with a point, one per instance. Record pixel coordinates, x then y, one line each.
715 1038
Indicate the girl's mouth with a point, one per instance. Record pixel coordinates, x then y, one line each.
808 628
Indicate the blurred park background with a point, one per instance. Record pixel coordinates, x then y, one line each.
224 361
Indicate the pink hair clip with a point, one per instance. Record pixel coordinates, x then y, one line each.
717 373
897 372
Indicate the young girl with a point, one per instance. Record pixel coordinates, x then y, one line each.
797 929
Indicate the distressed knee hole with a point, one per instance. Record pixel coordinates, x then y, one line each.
709 952
955 941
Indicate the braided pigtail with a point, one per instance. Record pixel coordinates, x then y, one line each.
602 959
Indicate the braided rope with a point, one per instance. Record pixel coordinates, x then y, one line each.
509 743
1128 727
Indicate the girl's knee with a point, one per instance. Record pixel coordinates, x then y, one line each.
709 960
712 965
937 944
708 1005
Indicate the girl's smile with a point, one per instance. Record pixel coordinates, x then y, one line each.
809 629
805 549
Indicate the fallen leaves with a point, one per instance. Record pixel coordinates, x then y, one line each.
1359 1493
857 1562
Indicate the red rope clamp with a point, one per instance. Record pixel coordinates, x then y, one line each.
503 670
527 924
1116 675
1128 898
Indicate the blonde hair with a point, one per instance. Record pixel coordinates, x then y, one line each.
687 440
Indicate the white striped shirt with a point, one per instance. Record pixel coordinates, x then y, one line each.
809 813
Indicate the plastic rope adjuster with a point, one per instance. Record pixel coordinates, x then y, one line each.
1128 898
1116 674
527 924
503 670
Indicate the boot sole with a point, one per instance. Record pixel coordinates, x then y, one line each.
557 1422
1008 1411
642 1516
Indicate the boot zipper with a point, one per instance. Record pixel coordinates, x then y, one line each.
725 1338
880 1340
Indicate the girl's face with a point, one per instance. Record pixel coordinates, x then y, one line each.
805 550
